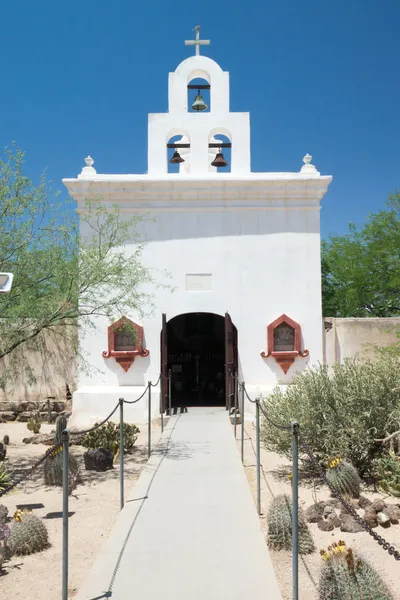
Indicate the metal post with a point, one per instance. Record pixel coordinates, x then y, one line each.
229 392
295 509
235 399
258 451
242 423
149 422
121 453
169 393
65 480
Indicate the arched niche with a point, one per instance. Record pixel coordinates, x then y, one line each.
198 84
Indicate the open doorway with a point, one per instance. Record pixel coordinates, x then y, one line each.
194 351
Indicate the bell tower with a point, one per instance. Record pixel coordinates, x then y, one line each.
197 127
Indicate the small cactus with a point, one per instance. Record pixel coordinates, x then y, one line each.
34 425
345 576
3 514
3 451
6 440
28 534
279 521
344 477
53 470
61 425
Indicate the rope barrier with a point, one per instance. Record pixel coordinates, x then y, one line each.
140 397
157 382
97 426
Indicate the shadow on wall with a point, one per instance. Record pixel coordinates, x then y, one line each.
195 224
43 372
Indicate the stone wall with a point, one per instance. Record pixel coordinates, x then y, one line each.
51 371
345 338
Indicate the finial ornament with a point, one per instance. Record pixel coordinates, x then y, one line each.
308 168
89 170
197 42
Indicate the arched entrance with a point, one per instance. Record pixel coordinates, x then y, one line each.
200 352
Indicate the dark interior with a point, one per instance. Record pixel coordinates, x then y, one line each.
196 357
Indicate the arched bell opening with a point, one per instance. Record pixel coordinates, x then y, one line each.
199 96
220 151
178 151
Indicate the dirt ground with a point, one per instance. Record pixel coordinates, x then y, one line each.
274 480
93 506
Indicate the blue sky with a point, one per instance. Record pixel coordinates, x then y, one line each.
317 76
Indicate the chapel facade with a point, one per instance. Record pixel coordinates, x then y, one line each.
242 250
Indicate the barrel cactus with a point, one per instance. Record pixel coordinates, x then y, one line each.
53 469
61 425
279 521
3 451
6 440
345 576
344 477
28 534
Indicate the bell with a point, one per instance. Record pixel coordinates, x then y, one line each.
177 158
199 103
219 160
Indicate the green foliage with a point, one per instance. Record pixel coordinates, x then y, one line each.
28 535
340 411
61 281
107 437
5 477
348 577
5 554
387 473
53 470
6 440
279 520
61 425
344 477
361 270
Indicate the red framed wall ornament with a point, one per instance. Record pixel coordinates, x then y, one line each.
125 342
284 342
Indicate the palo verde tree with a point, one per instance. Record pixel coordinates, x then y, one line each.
61 282
361 270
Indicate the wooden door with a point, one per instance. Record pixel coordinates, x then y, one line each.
164 364
229 359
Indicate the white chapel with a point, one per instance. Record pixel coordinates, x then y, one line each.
242 250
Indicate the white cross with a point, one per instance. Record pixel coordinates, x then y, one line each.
197 42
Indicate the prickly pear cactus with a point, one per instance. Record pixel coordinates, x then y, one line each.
6 440
345 576
53 470
279 521
61 425
344 477
28 534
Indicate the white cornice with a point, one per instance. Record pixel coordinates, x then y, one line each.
209 192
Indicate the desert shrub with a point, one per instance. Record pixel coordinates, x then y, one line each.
340 411
107 436
5 477
387 472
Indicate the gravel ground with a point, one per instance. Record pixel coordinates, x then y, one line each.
94 506
274 481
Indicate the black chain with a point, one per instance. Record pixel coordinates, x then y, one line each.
140 397
348 507
157 382
19 479
97 426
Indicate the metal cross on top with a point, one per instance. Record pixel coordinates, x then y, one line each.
197 42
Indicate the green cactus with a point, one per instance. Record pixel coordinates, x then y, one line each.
6 440
3 451
53 470
279 521
345 576
61 425
344 477
28 534
5 478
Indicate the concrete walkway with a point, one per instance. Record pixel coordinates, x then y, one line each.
190 531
